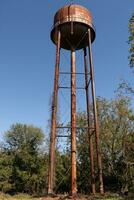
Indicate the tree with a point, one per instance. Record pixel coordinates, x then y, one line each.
117 125
5 171
116 120
131 41
28 167
83 161
23 137
63 169
124 85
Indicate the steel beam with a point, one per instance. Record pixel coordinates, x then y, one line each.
95 115
89 125
51 175
73 125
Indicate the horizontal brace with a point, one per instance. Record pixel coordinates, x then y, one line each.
74 73
77 127
77 88
63 135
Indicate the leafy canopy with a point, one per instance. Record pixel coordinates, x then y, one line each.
131 41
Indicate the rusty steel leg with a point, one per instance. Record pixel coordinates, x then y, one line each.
51 176
95 116
73 124
88 122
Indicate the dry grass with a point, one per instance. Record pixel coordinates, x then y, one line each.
17 197
27 197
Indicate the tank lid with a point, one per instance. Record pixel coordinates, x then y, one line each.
73 21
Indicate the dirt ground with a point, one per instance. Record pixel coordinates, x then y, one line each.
67 197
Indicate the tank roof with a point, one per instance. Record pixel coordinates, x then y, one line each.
73 21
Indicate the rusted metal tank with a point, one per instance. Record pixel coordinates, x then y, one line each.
74 22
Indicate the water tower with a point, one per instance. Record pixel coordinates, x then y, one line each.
73 30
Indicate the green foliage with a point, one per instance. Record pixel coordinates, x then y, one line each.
131 40
117 125
23 137
116 120
63 170
24 166
124 86
83 163
5 171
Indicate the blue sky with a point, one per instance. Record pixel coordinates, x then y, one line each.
27 55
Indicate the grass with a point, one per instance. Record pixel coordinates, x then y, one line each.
17 197
28 197
111 197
